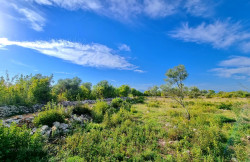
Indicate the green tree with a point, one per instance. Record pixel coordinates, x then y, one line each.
86 90
68 89
210 93
204 92
175 86
135 92
194 92
154 91
40 89
124 90
147 93
103 89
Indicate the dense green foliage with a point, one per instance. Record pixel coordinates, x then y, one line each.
116 103
17 144
99 110
29 90
82 109
51 114
25 90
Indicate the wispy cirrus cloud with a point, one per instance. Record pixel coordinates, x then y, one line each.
118 9
124 47
121 10
21 11
245 46
139 71
125 9
220 35
203 8
237 67
92 55
21 64
36 20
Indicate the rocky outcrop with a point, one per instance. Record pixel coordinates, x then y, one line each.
6 111
57 130
73 103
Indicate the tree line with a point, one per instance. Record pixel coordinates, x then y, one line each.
32 89
195 92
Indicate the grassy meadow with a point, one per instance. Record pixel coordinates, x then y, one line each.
154 129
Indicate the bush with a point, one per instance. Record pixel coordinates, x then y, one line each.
75 159
17 144
51 114
99 110
153 104
48 118
82 109
116 103
120 117
135 100
126 105
225 106
174 105
223 119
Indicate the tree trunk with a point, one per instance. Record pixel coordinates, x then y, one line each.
188 115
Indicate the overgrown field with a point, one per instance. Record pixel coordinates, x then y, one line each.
154 129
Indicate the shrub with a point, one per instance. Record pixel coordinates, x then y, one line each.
153 104
91 125
225 106
99 110
133 110
135 100
223 119
119 117
75 159
148 155
126 105
82 109
116 103
51 114
190 103
17 144
174 105
48 118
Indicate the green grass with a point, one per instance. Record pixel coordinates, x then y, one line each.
160 133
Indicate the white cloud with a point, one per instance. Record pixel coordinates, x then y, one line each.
160 8
237 61
124 47
202 8
77 4
125 9
36 20
92 55
43 2
21 64
23 12
219 34
139 71
237 67
122 10
65 73
245 47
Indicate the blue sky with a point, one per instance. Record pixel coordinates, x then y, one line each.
128 41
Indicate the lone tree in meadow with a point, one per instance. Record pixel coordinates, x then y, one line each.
175 87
